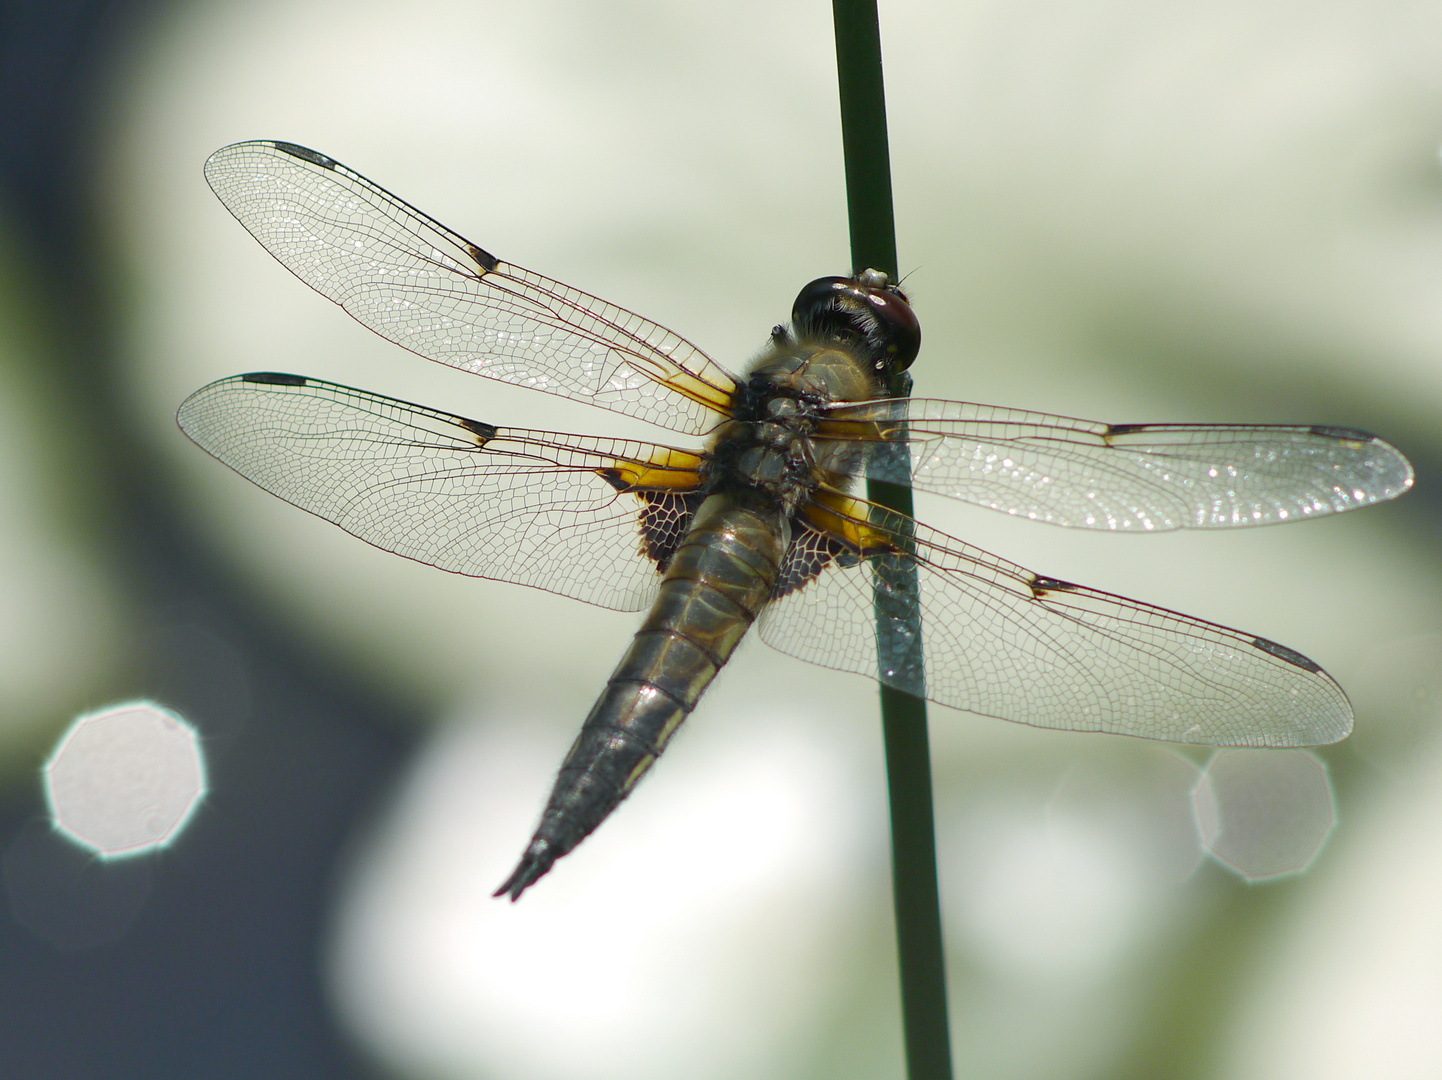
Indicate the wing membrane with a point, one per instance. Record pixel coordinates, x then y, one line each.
530 507
1001 641
417 283
1128 477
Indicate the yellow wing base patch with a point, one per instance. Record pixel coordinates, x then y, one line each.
668 470
846 520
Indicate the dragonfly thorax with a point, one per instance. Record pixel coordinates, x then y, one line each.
769 445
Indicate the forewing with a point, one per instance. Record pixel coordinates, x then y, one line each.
1127 477
557 512
1002 641
417 283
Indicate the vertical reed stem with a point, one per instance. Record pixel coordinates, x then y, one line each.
903 716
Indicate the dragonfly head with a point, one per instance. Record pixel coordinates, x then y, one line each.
866 311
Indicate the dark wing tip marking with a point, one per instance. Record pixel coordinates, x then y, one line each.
1346 434
274 378
1325 431
1041 585
484 259
483 431
305 153
1291 656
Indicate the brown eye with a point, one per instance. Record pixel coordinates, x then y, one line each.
903 329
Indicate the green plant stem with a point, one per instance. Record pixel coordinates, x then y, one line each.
921 954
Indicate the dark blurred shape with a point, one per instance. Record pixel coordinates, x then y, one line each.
204 960
46 47
205 667
67 897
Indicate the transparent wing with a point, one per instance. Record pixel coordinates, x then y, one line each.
534 508
1128 477
417 283
1002 641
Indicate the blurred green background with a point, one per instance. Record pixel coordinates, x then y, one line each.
1127 211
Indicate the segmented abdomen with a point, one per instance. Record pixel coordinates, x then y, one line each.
716 584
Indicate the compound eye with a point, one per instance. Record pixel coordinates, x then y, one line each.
817 299
900 328
863 309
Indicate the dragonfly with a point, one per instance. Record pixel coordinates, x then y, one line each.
760 520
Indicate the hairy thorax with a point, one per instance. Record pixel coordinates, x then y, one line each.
769 446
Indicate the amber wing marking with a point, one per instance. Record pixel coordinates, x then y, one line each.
1002 641
832 528
532 507
669 487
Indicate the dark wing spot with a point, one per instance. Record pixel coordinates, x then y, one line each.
1126 429
1346 434
274 378
484 259
305 154
1040 586
665 520
811 551
615 478
485 432
1281 652
665 514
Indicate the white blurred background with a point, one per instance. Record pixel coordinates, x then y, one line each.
1125 211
